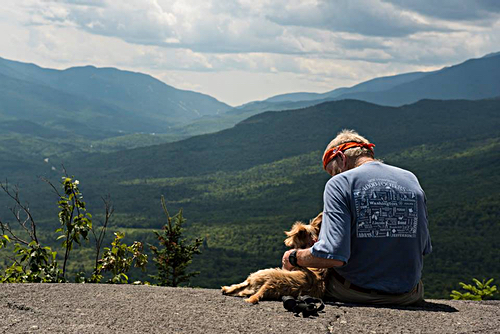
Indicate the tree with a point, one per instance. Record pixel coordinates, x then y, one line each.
176 253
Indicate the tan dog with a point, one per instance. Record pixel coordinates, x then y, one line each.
275 283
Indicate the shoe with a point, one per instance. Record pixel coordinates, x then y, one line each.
304 304
289 303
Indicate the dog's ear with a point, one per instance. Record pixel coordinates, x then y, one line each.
297 236
316 223
295 228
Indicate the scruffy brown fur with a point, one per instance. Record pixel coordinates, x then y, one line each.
275 282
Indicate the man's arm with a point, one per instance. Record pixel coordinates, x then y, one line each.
334 239
306 259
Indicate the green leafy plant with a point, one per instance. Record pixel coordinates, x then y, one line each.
75 221
119 258
480 291
4 239
176 254
32 263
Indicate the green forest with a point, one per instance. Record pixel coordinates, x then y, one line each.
241 188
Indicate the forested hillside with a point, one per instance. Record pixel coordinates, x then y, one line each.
242 187
47 112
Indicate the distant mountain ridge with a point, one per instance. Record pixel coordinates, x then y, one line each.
473 79
108 102
373 85
107 99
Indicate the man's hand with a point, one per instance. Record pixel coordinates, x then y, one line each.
306 259
286 264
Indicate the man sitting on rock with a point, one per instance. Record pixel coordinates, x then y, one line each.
374 232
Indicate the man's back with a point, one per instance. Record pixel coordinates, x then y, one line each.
375 220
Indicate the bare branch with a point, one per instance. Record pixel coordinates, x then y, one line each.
16 211
5 227
99 239
17 215
52 186
64 170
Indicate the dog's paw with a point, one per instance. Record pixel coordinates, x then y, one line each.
252 300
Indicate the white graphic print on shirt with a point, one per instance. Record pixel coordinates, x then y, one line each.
385 209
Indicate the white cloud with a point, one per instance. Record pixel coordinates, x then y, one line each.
300 27
369 18
463 10
292 45
232 26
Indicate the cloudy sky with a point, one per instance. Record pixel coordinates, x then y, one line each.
245 50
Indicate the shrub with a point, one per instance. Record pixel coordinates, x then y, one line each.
481 291
31 262
119 258
73 216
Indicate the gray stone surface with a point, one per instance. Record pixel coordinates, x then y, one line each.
92 308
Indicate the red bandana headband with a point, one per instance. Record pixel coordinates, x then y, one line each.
334 151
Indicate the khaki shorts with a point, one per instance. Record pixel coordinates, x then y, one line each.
341 292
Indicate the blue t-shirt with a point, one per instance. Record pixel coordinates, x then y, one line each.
375 220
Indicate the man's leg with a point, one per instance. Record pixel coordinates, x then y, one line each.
341 292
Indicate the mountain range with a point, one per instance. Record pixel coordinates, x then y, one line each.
102 101
107 102
473 79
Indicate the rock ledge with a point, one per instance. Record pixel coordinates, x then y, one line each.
94 308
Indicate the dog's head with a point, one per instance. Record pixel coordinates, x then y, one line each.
302 235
